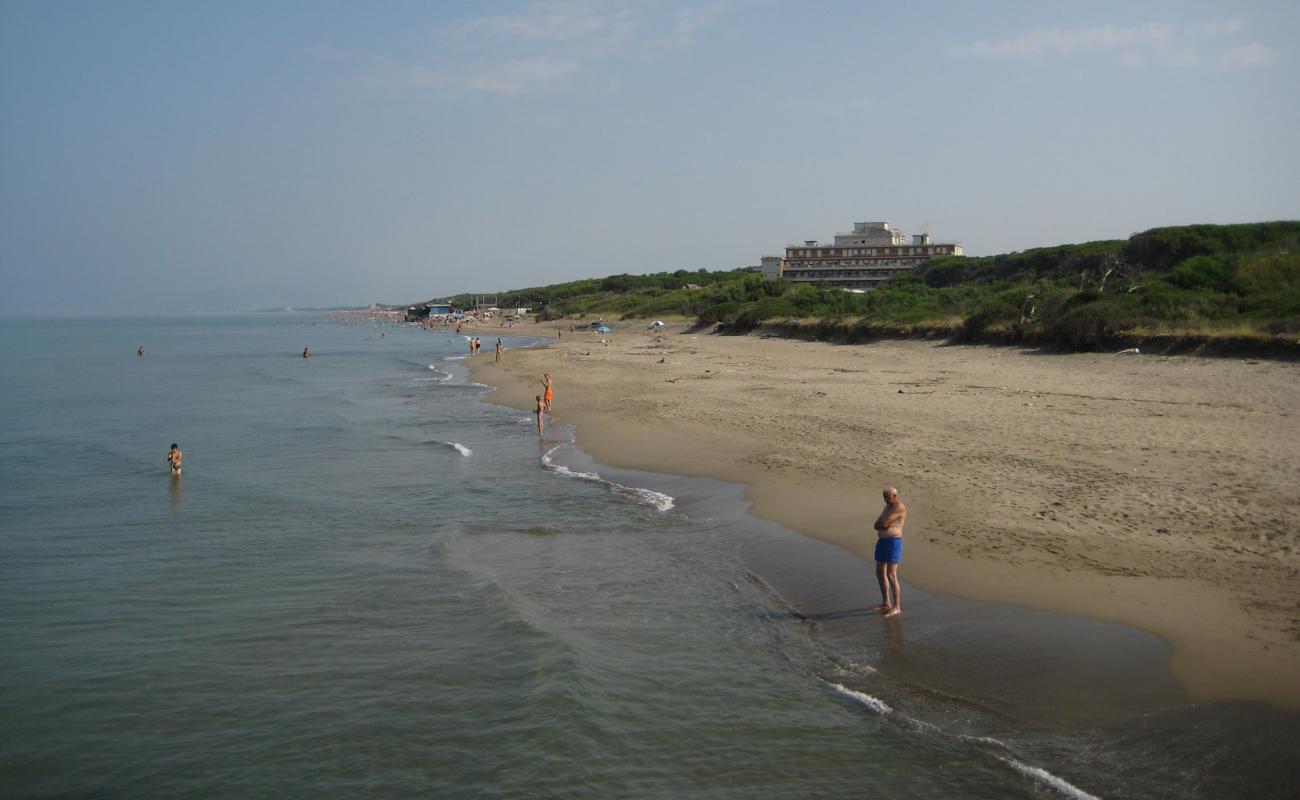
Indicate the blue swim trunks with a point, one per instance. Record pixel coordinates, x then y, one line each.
889 551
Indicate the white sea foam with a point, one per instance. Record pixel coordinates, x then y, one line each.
560 469
444 375
875 704
460 448
455 358
854 669
988 740
1048 779
659 500
1058 785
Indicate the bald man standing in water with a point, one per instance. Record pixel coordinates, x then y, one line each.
889 551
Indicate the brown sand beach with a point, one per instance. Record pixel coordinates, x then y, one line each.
1159 492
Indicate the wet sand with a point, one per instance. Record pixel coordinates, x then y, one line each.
1159 492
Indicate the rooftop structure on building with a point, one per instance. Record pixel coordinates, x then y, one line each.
869 255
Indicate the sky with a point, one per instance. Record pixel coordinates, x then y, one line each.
174 157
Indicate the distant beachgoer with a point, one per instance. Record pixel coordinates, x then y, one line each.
174 459
889 551
306 352
139 350
500 348
550 393
471 345
541 420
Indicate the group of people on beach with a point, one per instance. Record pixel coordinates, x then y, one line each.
888 524
475 346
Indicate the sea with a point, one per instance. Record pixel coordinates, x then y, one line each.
370 581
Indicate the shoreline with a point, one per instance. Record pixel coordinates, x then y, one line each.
813 429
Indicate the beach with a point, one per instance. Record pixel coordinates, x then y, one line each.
1155 491
372 582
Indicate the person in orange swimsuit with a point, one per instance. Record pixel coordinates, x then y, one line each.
549 394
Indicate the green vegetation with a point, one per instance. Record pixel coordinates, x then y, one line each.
628 296
1234 288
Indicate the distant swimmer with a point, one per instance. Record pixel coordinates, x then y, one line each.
889 551
549 394
541 420
306 352
500 348
174 459
139 350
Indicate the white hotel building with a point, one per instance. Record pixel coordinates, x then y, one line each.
867 257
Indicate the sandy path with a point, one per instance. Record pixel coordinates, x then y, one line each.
1156 491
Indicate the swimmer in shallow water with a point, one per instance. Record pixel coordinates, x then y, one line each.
541 420
174 459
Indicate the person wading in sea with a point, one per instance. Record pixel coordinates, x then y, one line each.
889 552
174 459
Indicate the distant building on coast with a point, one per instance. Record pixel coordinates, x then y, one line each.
426 310
869 255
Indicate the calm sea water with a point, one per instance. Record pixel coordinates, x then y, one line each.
371 583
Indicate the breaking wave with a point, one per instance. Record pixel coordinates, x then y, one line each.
659 500
984 743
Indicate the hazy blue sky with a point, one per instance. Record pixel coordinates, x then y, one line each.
224 155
